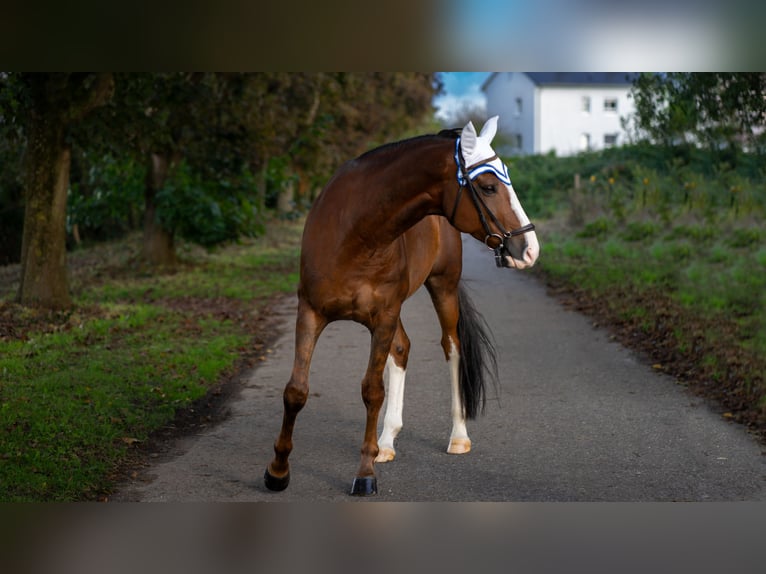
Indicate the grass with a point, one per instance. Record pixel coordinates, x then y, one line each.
79 390
674 253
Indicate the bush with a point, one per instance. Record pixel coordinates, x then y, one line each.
209 212
108 198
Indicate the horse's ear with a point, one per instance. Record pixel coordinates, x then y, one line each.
490 129
468 139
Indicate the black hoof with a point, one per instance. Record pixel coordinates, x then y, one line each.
274 483
365 486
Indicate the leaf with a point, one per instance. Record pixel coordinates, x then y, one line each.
129 440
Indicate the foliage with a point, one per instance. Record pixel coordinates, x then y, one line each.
105 200
11 203
208 212
672 249
348 113
721 110
637 177
278 176
218 127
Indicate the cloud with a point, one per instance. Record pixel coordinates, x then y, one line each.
571 35
459 99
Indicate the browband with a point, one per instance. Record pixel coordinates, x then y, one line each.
480 167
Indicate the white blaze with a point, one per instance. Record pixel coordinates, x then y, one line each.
477 148
532 250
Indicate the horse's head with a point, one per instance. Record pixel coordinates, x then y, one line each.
491 212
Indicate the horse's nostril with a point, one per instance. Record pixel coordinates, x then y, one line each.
530 255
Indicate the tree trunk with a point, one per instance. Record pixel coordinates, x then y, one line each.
260 189
286 198
159 248
57 101
44 281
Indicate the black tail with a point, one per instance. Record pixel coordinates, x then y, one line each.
478 359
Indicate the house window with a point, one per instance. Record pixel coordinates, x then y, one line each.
586 104
518 107
610 140
517 141
584 142
610 105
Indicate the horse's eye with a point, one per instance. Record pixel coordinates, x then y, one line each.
489 189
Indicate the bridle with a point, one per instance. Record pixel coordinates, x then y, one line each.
464 180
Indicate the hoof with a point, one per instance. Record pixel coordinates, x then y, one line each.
274 483
459 446
365 486
386 454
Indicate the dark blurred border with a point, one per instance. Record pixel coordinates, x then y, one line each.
389 35
239 35
204 538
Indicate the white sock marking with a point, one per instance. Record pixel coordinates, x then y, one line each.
458 420
392 422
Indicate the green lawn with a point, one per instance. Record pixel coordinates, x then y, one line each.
78 389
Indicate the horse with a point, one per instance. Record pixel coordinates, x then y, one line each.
385 224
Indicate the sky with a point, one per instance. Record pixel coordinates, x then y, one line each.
461 89
600 35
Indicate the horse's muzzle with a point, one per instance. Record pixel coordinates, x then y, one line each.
508 254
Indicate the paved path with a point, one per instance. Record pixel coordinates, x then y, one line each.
578 418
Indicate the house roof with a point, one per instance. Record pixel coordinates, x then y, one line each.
581 78
576 78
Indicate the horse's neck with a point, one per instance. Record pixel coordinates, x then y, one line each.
405 193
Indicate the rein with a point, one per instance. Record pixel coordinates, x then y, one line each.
464 180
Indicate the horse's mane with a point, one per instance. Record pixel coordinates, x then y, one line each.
453 133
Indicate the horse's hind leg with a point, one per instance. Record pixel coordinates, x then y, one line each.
394 374
308 327
444 294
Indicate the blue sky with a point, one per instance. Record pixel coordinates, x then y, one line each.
568 35
461 89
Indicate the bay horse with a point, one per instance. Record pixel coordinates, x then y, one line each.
386 223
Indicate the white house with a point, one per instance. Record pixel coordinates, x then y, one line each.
564 112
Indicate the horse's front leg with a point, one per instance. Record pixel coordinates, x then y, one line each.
373 393
394 375
308 327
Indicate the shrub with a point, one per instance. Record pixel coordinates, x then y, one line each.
208 212
107 199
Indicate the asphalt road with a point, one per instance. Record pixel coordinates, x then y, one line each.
577 418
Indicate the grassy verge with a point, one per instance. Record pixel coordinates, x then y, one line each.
674 259
79 390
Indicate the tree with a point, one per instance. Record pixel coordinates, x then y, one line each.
202 129
716 109
201 136
46 106
360 110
